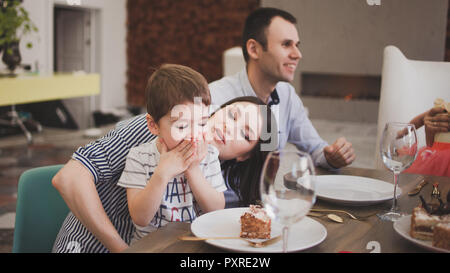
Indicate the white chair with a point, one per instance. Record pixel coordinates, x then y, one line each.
409 88
233 61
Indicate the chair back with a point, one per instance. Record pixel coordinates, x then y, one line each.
233 61
40 211
409 88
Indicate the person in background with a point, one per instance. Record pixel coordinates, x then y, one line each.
271 49
434 158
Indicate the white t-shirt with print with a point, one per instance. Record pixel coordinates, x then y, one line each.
178 202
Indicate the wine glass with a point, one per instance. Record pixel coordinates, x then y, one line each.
287 187
398 150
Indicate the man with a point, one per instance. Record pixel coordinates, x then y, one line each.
271 51
100 221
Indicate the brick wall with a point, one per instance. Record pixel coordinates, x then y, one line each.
188 32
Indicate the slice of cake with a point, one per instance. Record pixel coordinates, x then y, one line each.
255 223
441 235
422 224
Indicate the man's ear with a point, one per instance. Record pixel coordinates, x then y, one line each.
152 125
253 48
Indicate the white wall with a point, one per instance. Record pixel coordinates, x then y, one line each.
348 36
112 49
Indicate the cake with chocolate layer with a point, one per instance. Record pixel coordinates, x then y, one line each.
422 224
441 235
255 223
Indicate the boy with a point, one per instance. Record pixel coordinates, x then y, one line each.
177 175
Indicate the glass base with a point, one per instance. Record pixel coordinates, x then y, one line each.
390 216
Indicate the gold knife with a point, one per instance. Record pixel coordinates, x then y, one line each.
419 187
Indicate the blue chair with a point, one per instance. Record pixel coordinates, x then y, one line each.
40 211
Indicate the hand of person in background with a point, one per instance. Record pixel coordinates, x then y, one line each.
436 120
340 153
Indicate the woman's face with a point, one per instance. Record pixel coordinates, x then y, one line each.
235 130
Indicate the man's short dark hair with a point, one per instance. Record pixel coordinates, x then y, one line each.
257 23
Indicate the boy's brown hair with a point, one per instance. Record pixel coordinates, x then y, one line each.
171 85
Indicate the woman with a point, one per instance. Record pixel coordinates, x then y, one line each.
99 220
434 158
246 167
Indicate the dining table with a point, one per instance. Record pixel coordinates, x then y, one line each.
366 234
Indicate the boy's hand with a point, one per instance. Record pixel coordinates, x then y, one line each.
175 161
201 149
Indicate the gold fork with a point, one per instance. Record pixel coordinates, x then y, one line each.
251 243
334 210
359 217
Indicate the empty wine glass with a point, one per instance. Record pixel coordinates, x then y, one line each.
398 150
287 187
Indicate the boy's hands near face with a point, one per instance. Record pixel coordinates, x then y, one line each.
201 149
175 161
208 197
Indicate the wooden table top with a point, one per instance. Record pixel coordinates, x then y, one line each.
352 235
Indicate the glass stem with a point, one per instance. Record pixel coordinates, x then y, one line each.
394 202
285 238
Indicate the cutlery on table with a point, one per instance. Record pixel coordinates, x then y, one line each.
419 187
334 210
331 216
251 243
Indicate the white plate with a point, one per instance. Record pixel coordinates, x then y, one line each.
354 190
302 235
403 225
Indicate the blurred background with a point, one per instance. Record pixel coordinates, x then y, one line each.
342 44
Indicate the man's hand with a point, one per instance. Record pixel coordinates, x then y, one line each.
340 153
